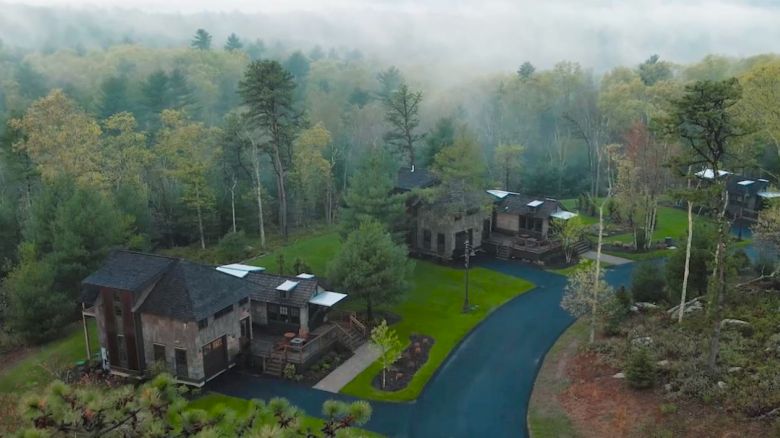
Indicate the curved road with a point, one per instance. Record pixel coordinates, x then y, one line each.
484 385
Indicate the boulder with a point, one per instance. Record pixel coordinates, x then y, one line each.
663 363
645 306
644 341
735 369
619 376
733 323
721 384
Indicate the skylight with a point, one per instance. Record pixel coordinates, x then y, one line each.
535 203
746 182
305 276
287 286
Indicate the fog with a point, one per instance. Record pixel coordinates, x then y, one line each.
471 36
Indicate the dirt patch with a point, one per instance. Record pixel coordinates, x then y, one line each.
599 405
412 359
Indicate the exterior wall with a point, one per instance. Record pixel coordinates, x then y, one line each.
259 313
229 326
110 326
172 334
508 222
436 224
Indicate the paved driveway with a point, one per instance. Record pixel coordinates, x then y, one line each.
483 387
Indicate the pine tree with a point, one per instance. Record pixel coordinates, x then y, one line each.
233 43
202 40
113 96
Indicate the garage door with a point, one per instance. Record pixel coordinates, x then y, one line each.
215 357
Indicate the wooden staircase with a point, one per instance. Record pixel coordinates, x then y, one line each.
503 252
582 247
353 333
275 364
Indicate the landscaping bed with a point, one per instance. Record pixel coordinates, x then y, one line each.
402 371
324 366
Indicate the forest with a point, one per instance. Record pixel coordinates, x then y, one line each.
224 145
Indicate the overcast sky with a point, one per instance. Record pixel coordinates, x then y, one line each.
500 34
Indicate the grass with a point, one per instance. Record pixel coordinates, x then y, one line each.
546 417
36 369
433 307
210 402
670 222
314 251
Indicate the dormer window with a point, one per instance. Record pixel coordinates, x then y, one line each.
286 288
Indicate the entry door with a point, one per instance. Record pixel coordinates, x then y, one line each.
215 357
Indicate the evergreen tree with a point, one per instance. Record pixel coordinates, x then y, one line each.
298 65
441 136
371 267
32 84
154 96
202 40
267 90
525 71
233 43
389 82
654 70
370 197
113 96
402 114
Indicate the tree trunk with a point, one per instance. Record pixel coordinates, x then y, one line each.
282 193
200 218
258 192
719 281
596 284
233 202
687 271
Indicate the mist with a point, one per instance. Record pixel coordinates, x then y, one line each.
471 38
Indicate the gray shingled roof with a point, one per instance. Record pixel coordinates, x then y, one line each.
264 289
518 204
191 292
419 179
125 270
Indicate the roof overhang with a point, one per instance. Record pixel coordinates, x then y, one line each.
708 173
326 298
563 215
239 270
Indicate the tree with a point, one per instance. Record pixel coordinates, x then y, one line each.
403 106
390 81
385 341
233 43
113 96
189 151
525 71
298 65
313 172
61 139
654 70
699 263
370 197
766 231
569 232
647 283
703 119
441 136
371 267
583 297
202 40
640 368
508 162
460 169
267 91
37 310
159 407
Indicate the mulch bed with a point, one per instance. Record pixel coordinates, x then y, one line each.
412 359
325 365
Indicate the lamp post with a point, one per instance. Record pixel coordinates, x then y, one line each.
466 305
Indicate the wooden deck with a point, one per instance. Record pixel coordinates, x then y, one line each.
524 243
264 345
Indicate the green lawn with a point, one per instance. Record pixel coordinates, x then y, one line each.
34 370
211 401
583 264
433 307
315 251
670 222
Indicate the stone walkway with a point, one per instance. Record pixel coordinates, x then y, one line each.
606 258
363 357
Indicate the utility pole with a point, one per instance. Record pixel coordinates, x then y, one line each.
466 305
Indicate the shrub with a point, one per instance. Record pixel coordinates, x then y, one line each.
668 408
232 247
640 368
289 371
648 283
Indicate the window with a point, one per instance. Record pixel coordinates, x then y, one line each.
427 239
121 347
245 328
118 304
203 323
159 354
283 310
440 242
181 362
223 312
285 314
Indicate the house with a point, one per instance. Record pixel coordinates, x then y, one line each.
746 195
196 320
433 230
522 225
